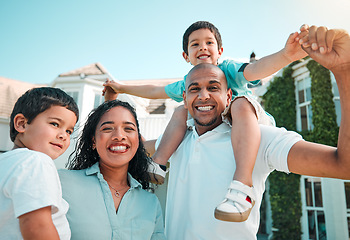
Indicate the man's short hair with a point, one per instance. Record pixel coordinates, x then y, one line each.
38 100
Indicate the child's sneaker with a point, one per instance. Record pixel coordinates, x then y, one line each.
237 204
156 172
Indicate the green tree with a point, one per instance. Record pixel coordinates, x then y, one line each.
284 191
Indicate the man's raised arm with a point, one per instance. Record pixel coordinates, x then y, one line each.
330 48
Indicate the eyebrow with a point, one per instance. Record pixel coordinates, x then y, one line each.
111 122
210 82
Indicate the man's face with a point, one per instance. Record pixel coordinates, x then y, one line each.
206 96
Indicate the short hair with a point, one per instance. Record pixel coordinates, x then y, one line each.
200 25
205 66
85 155
37 100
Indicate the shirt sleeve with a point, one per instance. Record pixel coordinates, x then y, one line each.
235 78
175 90
277 143
158 233
34 184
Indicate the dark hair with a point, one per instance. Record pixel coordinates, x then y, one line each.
200 25
37 100
85 155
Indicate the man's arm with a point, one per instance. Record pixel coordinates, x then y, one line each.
38 225
330 48
145 91
270 64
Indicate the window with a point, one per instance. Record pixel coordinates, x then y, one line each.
304 111
314 208
98 100
347 196
74 95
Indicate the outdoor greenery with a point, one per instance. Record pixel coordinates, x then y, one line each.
279 100
324 117
284 191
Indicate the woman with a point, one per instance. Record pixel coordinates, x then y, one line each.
105 186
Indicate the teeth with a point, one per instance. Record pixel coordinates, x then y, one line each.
118 148
202 57
205 108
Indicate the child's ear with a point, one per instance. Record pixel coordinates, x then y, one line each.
185 57
20 122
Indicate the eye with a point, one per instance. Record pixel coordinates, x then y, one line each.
70 132
54 124
106 129
193 89
129 129
194 44
213 88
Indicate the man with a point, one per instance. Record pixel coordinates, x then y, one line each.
203 164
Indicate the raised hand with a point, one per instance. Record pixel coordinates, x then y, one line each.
329 47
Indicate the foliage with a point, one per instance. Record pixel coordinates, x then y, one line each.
324 117
279 100
284 191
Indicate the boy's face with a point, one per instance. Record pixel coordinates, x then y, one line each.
202 48
49 132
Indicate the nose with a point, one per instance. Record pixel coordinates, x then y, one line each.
63 135
203 47
203 95
118 134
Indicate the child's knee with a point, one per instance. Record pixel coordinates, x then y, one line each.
241 107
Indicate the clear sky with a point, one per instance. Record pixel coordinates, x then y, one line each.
141 39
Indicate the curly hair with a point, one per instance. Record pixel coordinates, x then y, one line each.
85 155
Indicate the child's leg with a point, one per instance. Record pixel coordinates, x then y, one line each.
172 137
245 138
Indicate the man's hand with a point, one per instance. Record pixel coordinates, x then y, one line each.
329 47
108 91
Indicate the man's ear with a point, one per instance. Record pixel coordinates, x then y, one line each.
184 55
20 123
184 98
229 96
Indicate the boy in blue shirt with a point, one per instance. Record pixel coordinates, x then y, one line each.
202 44
32 206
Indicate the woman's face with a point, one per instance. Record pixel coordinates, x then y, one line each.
116 138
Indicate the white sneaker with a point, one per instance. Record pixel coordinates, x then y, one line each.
237 204
156 173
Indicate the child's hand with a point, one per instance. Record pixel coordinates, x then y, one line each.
108 91
292 50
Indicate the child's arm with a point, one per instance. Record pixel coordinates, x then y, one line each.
270 64
145 91
38 225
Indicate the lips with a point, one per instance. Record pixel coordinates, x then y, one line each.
204 108
57 145
203 56
118 148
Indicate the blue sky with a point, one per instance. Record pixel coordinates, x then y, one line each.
140 39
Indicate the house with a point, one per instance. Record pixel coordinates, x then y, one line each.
325 202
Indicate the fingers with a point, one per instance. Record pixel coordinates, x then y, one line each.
317 38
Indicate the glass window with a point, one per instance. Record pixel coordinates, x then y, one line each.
314 208
74 95
303 117
98 99
347 198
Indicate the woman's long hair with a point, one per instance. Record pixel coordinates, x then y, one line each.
85 155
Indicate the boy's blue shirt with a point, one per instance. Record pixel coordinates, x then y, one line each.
235 80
